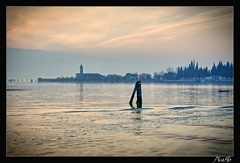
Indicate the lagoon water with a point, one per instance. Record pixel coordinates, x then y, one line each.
72 119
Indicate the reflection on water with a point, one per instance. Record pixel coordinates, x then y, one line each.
81 92
137 122
66 119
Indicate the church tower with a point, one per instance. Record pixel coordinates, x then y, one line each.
81 69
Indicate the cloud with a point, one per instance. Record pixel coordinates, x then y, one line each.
188 25
72 29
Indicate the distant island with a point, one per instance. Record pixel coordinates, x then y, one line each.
222 73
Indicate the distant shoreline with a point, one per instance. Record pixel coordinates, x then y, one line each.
73 80
41 80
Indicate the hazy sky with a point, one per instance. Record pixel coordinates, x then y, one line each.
54 41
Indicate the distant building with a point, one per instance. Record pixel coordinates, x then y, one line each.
114 78
81 69
47 80
214 77
157 77
130 76
93 77
145 76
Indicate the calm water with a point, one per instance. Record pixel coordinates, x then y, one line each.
68 119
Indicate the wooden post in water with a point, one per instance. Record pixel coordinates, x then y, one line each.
139 95
130 102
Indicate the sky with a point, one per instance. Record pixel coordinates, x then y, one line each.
51 42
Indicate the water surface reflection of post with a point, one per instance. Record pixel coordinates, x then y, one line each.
137 122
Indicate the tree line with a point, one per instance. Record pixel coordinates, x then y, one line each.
194 71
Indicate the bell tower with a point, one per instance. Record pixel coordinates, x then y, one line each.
81 69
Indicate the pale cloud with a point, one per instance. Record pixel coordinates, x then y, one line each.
168 31
72 29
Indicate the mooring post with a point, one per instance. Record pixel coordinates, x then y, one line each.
139 95
133 93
